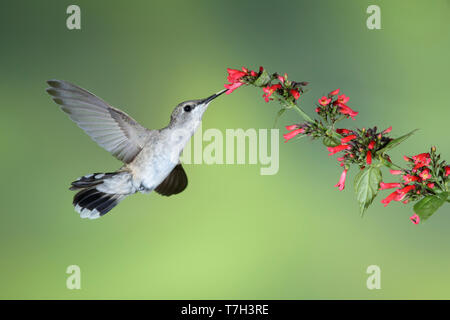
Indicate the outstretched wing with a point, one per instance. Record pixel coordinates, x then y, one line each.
174 183
111 128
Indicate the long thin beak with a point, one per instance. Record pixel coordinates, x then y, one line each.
215 95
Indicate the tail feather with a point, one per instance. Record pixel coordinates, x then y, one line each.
92 203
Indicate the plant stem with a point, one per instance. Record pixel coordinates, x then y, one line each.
302 113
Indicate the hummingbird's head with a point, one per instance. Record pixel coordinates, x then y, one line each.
188 114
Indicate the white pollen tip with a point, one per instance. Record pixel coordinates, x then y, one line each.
88 175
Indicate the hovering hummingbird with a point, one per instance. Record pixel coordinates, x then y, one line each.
150 157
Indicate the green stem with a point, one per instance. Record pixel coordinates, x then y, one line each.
302 113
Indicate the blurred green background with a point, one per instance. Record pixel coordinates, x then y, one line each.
233 233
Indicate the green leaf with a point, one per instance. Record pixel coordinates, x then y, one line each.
279 114
429 204
366 186
262 80
330 142
396 142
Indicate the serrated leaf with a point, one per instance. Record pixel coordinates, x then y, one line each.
429 204
396 142
329 142
262 80
366 186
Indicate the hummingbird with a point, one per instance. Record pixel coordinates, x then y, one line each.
151 158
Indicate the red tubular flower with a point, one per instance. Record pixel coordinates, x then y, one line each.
342 99
348 138
292 134
406 189
334 92
292 127
396 171
371 145
253 73
341 183
423 157
281 79
430 185
347 111
318 109
369 158
388 130
324 101
389 198
425 174
343 131
415 218
407 159
447 170
384 186
234 77
409 178
338 148
340 158
295 93
269 90
232 86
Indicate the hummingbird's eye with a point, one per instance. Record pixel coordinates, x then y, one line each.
187 108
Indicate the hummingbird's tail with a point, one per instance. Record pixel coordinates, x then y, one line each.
100 192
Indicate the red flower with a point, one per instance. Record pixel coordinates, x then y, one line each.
430 185
348 138
318 109
234 77
337 149
447 170
396 171
292 134
334 92
295 93
423 157
232 86
281 79
269 90
324 101
389 198
343 131
369 158
388 130
348 111
342 99
409 178
371 144
407 159
292 127
341 183
425 174
253 73
415 218
384 186
405 190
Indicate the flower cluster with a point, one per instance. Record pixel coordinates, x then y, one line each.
334 105
284 89
425 179
425 176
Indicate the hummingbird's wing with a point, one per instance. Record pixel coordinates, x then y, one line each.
174 183
111 128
